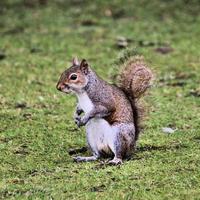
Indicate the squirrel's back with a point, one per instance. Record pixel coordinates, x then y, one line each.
123 108
110 95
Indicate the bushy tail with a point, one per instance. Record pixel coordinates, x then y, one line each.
134 79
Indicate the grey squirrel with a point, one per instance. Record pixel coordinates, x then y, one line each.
110 111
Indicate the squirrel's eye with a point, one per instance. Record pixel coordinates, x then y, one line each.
73 77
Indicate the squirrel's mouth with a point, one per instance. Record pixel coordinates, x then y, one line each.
63 88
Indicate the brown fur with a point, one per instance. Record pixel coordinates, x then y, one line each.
123 110
134 79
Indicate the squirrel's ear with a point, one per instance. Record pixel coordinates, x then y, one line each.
75 61
84 66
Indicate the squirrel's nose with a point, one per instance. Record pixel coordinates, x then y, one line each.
59 87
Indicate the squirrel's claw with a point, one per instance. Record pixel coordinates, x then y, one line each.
78 159
80 121
78 112
115 161
77 120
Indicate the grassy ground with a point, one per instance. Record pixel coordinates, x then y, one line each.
37 130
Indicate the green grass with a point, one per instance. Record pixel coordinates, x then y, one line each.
39 42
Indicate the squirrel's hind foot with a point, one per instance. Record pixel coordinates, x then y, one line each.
115 161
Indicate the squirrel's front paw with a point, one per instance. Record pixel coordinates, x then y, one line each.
77 120
81 121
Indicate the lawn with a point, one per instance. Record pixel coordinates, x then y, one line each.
37 42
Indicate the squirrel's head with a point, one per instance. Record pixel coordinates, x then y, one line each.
74 79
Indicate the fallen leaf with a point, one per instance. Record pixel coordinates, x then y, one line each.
27 115
168 130
77 150
15 30
108 13
89 22
2 55
21 105
195 92
17 181
144 43
98 188
122 42
177 84
35 50
41 98
183 75
164 50
118 13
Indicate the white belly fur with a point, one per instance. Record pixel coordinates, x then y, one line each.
100 134
84 102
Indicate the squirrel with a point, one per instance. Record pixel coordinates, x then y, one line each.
110 111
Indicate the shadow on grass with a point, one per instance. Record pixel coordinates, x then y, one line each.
159 148
139 149
148 148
